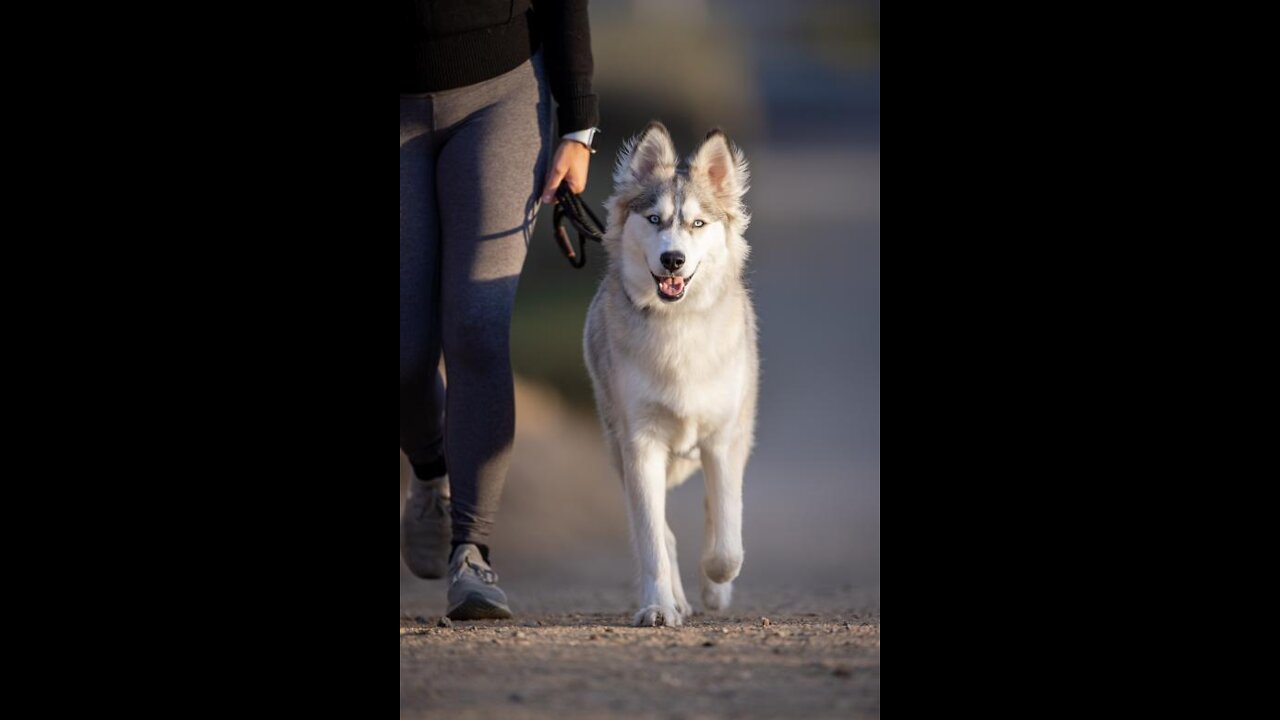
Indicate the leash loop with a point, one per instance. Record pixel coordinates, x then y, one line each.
571 205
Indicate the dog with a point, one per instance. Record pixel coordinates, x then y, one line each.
670 343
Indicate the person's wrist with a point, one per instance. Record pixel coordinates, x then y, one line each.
584 137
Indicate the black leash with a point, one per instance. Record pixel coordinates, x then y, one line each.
583 219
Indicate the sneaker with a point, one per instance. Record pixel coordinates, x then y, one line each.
425 530
473 587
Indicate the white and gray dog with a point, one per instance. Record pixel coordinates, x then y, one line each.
670 343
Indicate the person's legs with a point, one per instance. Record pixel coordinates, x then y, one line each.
488 179
425 527
421 389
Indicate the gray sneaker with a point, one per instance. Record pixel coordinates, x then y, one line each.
425 530
473 587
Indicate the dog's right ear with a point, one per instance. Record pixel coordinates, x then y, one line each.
648 156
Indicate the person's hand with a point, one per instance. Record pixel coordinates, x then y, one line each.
569 165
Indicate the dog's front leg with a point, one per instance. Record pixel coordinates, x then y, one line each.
722 554
646 485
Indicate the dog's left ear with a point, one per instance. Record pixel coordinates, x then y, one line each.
722 165
647 156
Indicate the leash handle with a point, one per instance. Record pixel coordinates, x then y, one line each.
596 230
566 246
584 221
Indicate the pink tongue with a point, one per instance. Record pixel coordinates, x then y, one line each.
673 286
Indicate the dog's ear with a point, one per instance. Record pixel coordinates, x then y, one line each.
649 155
722 166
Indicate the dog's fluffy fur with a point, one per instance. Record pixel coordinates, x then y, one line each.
672 353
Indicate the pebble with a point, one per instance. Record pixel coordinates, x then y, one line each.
765 622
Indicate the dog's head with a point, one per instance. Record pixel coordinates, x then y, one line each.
674 232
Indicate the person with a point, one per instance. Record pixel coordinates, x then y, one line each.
475 167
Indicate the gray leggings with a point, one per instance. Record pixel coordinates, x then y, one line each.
472 162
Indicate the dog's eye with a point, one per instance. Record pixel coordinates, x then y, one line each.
655 219
698 223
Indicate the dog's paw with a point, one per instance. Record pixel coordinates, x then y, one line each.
716 596
657 615
722 567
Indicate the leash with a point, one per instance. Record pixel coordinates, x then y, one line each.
571 205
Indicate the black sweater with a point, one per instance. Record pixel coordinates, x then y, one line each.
450 43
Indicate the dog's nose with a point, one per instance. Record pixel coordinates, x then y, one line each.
672 260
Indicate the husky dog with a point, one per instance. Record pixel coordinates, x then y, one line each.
670 344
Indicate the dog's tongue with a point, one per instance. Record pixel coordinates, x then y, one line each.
672 286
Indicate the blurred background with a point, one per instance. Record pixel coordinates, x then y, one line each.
797 86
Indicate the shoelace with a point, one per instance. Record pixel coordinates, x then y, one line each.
487 575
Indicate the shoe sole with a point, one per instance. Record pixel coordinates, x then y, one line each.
477 607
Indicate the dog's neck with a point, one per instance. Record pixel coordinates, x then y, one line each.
642 309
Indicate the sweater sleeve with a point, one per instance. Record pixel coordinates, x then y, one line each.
566 35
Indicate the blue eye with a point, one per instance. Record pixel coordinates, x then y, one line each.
655 219
698 223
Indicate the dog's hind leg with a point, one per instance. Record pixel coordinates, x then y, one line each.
722 553
715 596
677 587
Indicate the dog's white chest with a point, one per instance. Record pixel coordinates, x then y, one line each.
695 372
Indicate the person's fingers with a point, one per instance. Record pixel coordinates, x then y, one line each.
554 177
553 182
569 166
579 163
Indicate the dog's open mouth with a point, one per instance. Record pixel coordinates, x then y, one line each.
671 288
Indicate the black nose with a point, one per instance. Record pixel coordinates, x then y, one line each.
672 260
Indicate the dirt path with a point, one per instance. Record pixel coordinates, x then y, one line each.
565 562
592 665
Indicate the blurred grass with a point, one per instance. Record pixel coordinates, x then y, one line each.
546 328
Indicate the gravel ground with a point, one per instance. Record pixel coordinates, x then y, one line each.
593 665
